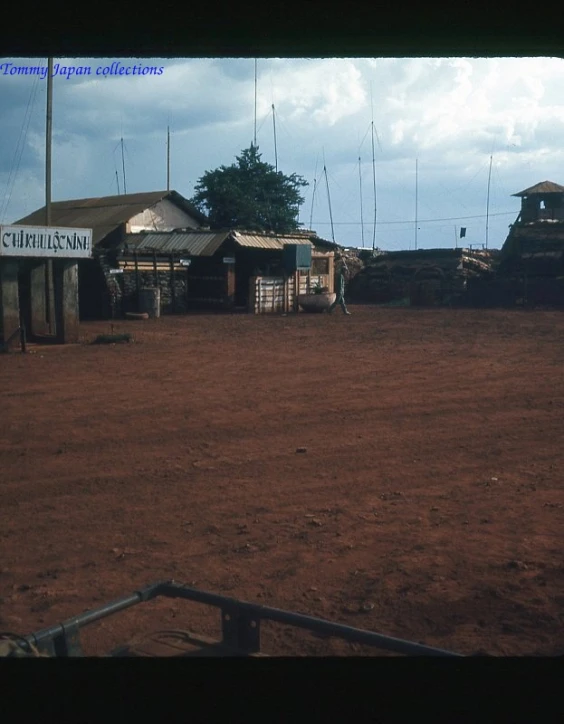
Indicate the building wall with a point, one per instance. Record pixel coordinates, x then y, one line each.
163 216
171 301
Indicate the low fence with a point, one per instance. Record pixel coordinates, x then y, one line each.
277 295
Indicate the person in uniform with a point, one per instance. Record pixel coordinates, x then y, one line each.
340 292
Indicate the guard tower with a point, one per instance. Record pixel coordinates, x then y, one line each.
542 202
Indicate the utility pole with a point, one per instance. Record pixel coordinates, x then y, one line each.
48 139
49 280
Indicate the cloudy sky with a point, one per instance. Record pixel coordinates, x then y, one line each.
444 117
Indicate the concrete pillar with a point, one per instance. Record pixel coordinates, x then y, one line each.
229 286
38 288
65 278
50 295
9 304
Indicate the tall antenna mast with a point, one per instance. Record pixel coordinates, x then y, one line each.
488 201
416 162
123 166
361 214
312 199
117 181
313 194
373 170
328 198
255 134
275 149
48 137
168 158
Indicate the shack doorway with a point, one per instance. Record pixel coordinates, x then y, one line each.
24 295
93 296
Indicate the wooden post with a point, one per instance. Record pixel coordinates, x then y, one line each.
65 274
252 304
172 285
137 288
187 276
230 286
50 297
22 335
38 299
9 302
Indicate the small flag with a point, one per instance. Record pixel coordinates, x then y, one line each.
462 232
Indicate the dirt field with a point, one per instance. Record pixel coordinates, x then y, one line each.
430 489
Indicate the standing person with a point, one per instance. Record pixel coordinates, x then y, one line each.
341 292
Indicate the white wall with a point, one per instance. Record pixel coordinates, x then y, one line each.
163 216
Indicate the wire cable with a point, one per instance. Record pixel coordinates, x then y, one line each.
21 140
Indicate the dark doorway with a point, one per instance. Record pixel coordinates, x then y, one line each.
93 295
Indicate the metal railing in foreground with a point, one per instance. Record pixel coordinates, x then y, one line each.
240 624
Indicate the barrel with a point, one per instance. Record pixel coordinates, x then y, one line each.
150 301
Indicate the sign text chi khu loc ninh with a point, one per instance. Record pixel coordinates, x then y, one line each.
45 242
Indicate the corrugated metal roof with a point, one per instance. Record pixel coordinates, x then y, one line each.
105 213
192 243
206 243
545 187
268 241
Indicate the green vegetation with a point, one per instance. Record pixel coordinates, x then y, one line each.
250 195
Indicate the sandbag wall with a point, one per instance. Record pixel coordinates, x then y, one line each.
426 277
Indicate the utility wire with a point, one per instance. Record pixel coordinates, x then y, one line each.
21 140
420 221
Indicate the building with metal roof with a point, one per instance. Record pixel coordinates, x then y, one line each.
542 188
110 217
214 268
158 235
206 243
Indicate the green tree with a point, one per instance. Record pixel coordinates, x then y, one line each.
251 195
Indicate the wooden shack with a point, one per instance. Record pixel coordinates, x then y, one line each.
221 270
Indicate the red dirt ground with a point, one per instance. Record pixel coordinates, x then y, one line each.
431 485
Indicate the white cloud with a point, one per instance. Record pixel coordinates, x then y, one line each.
450 113
320 91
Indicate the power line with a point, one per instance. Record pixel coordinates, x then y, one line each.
21 140
420 221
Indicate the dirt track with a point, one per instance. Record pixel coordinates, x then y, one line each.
431 485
